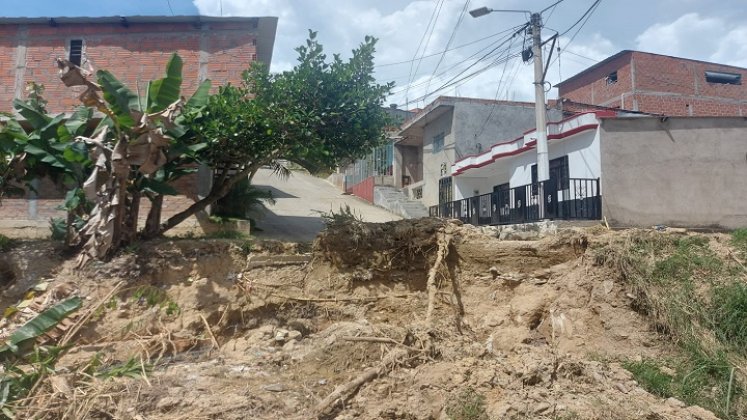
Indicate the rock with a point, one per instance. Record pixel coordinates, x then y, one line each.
701 413
281 335
621 387
322 382
494 272
598 377
274 388
541 408
607 286
289 346
675 403
295 335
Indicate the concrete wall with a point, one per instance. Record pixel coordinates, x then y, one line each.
433 161
583 158
479 126
682 172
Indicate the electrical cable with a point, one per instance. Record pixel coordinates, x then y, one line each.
448 43
436 10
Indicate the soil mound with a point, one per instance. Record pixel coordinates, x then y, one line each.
424 319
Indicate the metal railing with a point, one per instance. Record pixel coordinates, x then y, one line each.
581 199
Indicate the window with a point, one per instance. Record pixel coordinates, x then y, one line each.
723 78
438 142
76 51
611 78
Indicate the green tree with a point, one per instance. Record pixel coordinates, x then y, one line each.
317 114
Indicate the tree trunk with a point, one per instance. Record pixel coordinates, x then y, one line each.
153 222
70 229
130 233
218 191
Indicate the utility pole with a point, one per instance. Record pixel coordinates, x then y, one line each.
543 161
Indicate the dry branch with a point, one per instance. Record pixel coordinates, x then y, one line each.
328 406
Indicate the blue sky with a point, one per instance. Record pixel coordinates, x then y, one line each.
36 8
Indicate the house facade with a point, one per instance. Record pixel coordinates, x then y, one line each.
134 48
633 171
448 130
657 84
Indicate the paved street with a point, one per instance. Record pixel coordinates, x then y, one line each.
300 198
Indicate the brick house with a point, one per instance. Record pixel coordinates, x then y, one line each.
657 84
136 49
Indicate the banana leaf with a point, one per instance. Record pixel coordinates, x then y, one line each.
39 325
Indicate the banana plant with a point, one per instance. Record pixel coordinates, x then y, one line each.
137 149
45 146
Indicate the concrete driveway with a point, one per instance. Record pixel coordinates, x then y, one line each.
299 199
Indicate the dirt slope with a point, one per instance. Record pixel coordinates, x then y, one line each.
525 329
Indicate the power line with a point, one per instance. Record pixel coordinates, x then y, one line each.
466 60
450 49
436 10
172 10
451 39
585 18
497 93
552 6
587 12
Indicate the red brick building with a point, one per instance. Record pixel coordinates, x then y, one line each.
135 49
658 84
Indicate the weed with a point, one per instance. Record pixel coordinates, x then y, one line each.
246 247
467 405
172 308
132 368
648 374
154 296
6 243
345 216
701 302
58 227
739 241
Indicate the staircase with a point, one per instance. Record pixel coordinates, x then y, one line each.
397 202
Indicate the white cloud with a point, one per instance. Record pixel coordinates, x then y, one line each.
689 36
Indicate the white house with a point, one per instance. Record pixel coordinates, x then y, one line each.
631 170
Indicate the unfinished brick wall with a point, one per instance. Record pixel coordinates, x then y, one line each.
135 54
660 85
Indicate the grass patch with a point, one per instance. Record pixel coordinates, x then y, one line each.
467 405
700 301
650 376
739 241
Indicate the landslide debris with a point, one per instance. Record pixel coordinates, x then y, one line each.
418 319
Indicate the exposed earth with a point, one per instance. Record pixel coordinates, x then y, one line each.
423 319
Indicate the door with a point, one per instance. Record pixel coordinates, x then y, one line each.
556 186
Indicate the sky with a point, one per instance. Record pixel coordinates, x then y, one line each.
413 35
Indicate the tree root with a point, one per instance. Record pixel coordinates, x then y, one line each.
328 407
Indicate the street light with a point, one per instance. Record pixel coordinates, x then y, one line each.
485 10
480 12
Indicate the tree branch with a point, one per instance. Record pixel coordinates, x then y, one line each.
219 191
